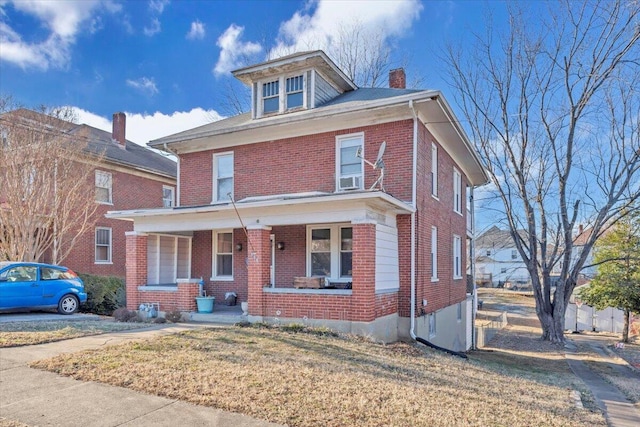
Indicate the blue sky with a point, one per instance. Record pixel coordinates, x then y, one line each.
167 63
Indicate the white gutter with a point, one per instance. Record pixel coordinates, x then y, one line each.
414 191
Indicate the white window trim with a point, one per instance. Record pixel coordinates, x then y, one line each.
282 95
339 140
173 196
457 252
214 260
457 191
434 254
434 170
95 246
334 248
110 187
214 176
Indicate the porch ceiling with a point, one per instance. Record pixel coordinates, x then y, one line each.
286 209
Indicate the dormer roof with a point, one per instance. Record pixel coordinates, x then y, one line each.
300 61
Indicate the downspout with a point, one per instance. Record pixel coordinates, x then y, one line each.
472 262
414 191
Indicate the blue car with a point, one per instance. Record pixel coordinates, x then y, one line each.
35 286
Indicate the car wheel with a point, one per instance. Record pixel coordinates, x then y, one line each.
68 304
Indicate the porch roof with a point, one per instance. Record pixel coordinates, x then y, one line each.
281 209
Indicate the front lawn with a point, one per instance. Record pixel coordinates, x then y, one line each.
14 334
305 379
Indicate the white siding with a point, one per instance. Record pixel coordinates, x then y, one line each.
387 269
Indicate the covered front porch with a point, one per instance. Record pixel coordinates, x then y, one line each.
261 248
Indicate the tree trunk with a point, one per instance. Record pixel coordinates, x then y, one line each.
625 327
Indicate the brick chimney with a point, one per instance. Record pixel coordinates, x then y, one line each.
119 128
397 79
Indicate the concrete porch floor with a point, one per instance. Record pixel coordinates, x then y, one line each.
224 314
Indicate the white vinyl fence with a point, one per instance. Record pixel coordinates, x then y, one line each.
590 319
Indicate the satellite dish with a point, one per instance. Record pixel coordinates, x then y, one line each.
379 164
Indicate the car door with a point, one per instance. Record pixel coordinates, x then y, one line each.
52 281
20 287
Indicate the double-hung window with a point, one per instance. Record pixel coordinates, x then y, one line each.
168 198
434 254
104 187
223 255
103 245
434 169
349 167
457 191
295 91
457 257
514 254
330 251
271 97
223 177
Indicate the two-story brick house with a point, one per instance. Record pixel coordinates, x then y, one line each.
284 192
128 176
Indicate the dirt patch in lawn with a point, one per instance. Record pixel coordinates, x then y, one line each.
14 334
301 379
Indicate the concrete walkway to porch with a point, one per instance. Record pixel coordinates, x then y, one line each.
222 314
35 397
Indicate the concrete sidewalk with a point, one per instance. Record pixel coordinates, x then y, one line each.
618 410
39 398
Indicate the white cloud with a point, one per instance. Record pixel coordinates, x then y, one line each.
63 19
142 128
144 84
319 27
157 6
197 31
153 28
232 50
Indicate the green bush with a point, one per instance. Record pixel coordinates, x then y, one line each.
104 294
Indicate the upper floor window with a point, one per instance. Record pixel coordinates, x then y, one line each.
457 257
103 245
271 97
295 91
349 166
103 187
434 169
168 197
514 254
457 191
223 177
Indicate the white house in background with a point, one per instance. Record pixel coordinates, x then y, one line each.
498 261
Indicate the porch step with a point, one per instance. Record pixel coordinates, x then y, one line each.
221 318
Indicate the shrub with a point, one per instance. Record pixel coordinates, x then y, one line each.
159 320
123 315
104 293
173 316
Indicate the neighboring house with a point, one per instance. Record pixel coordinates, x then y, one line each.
497 260
130 176
588 271
278 194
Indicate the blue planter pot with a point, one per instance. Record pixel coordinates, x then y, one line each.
205 304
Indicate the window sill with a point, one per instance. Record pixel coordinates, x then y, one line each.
103 262
435 196
221 279
457 278
435 280
104 203
459 213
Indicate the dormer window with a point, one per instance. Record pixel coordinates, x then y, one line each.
271 97
275 100
295 92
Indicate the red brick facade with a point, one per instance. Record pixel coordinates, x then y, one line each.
129 191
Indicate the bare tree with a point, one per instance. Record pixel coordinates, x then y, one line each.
553 106
47 182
